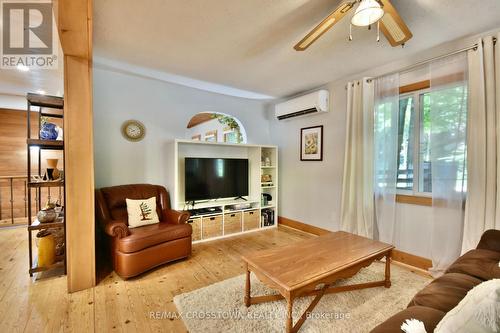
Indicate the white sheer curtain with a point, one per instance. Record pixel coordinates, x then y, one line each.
385 157
357 188
482 210
448 119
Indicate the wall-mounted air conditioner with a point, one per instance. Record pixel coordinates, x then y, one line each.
312 103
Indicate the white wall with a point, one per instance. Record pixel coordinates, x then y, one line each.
165 109
13 102
413 229
311 191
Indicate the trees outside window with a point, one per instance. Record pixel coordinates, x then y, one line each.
414 172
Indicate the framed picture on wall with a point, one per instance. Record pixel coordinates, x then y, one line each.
211 136
311 143
196 137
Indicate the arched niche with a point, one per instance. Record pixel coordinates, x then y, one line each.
216 127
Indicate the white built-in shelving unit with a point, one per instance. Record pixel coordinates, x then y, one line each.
229 217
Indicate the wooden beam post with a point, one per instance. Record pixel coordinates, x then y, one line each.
74 19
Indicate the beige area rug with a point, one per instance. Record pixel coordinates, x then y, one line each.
220 308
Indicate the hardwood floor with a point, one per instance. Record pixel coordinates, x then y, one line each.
43 304
29 305
18 221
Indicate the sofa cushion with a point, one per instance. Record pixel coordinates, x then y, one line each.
150 235
490 240
429 316
445 292
480 263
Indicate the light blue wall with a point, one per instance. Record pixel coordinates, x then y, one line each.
165 109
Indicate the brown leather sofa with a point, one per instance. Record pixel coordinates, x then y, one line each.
432 303
136 250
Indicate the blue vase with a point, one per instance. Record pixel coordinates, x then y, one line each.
48 132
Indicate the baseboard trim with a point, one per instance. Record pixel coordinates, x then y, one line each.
397 255
302 226
411 259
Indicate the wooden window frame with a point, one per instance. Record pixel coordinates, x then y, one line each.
419 200
421 85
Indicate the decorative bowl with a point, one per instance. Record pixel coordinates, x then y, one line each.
46 215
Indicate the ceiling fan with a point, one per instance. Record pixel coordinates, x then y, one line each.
367 13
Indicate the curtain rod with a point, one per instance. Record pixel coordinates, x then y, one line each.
418 64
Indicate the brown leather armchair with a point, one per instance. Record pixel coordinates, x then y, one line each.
136 250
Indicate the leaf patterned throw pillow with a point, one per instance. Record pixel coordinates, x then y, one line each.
141 212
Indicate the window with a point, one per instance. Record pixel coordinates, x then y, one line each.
406 146
414 172
414 168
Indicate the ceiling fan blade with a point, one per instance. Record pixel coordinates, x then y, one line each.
392 25
324 26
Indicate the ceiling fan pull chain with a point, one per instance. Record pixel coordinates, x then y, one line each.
378 31
350 32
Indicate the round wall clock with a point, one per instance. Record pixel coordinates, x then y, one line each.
133 130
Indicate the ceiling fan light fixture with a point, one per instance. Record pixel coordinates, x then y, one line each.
367 13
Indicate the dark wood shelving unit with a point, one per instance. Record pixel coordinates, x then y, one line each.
46 101
45 144
46 184
51 115
55 106
37 225
60 263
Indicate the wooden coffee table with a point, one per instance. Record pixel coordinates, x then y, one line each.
296 270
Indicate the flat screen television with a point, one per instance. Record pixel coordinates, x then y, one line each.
215 178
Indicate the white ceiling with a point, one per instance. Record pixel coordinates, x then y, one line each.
14 82
248 44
